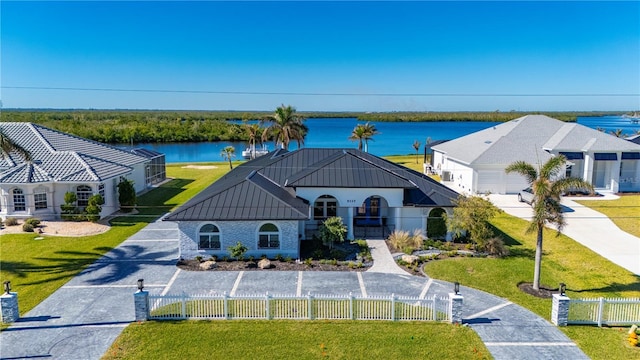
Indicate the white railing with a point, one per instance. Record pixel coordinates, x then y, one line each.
392 308
603 311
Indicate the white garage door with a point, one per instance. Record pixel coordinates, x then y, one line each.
490 181
515 183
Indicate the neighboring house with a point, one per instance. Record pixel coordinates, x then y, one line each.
275 201
66 163
634 139
475 163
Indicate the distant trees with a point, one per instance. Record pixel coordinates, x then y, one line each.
285 126
254 131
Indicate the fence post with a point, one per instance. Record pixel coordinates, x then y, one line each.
9 305
560 310
226 305
351 312
267 308
141 302
393 307
600 311
310 305
184 305
455 308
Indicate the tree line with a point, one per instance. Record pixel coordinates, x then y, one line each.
131 126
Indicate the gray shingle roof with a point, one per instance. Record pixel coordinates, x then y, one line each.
526 138
264 188
64 157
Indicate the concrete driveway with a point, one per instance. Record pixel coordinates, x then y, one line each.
586 226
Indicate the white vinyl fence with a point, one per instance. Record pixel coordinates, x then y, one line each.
603 311
393 308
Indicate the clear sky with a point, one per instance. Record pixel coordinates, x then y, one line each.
321 56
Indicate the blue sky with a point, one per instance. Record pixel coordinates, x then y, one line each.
321 56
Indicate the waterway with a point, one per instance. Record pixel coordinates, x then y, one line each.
395 138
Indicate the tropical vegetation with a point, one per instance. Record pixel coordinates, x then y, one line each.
285 126
228 153
7 146
547 187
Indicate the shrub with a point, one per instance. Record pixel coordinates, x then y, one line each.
94 208
495 246
337 254
436 224
288 259
27 227
317 254
402 240
126 195
33 221
332 230
11 222
308 262
199 258
69 207
238 250
279 257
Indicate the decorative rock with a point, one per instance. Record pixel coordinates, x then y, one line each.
410 259
264 264
208 265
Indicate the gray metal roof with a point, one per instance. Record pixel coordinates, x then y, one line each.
63 157
264 188
526 139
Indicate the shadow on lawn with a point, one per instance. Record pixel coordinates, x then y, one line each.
613 287
515 247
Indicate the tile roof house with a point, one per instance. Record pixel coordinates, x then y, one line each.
475 163
64 163
277 200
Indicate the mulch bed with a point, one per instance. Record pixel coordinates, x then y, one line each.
544 292
194 265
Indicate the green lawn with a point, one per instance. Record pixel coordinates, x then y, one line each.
624 212
276 339
586 274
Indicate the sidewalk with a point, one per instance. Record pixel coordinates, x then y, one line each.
83 318
587 227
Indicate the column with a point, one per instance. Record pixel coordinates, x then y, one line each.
560 310
141 301
9 306
455 308
350 223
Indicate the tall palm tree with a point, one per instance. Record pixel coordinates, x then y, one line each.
547 190
285 126
416 146
369 131
228 153
7 145
358 134
253 130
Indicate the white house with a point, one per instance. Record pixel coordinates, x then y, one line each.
66 163
273 202
475 163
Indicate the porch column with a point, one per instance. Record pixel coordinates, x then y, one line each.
350 223
423 227
398 216
615 173
587 174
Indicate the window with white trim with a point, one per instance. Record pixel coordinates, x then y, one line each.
269 237
83 193
209 237
325 207
19 201
40 199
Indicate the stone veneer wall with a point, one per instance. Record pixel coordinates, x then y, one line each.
234 231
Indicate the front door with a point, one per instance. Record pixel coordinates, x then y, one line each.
368 214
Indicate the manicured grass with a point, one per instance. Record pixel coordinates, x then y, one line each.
586 274
407 161
275 339
37 268
624 212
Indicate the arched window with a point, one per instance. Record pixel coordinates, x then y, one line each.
83 192
209 236
40 199
19 202
269 237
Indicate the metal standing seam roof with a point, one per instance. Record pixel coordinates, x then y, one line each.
65 157
264 188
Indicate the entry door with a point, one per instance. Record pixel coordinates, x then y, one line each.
369 212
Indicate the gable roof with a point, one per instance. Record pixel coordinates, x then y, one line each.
61 157
264 188
529 138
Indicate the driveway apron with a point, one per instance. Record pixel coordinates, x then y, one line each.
83 318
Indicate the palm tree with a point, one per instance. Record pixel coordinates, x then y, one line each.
285 125
369 131
253 130
7 145
617 133
358 134
547 190
228 153
416 146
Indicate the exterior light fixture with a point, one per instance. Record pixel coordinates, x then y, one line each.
563 288
140 284
456 287
7 287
